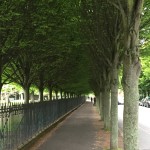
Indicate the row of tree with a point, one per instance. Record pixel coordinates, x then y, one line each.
38 47
75 47
112 30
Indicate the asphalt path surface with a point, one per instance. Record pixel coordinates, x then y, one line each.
144 126
79 131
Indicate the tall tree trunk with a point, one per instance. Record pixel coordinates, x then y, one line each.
71 95
61 94
32 96
26 94
41 89
65 95
101 107
114 110
97 102
106 100
41 86
50 90
131 96
131 73
68 95
1 85
56 93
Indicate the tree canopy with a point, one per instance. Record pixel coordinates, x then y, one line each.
78 47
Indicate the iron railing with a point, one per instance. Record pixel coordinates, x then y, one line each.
19 123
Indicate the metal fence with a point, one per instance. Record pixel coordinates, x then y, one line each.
19 123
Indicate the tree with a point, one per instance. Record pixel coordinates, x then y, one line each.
106 53
131 11
9 37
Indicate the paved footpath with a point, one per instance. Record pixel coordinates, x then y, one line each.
79 131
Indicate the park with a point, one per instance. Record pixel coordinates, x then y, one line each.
62 51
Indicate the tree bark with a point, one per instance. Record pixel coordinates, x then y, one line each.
56 93
131 72
114 110
131 96
65 95
101 107
50 90
32 96
41 89
41 86
26 94
61 94
68 95
1 85
97 102
106 101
